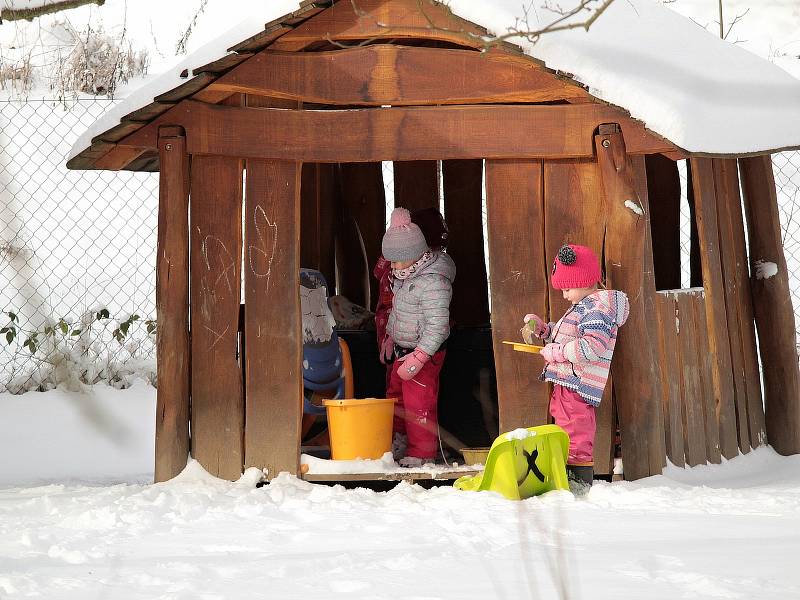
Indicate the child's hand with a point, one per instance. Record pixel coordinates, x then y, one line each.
553 353
536 324
412 364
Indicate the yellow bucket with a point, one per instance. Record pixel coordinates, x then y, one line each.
360 428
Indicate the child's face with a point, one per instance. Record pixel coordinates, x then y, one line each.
575 295
402 264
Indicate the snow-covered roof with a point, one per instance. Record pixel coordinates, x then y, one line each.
703 94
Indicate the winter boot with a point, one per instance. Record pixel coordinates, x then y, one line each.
399 445
583 474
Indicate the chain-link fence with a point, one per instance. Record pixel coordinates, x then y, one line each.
77 255
77 252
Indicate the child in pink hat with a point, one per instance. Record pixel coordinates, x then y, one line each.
578 350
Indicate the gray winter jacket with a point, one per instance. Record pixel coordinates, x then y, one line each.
420 315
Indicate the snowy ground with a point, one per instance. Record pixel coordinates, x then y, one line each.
729 531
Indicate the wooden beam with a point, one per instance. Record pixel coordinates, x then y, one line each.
514 205
172 307
397 75
463 193
273 345
635 367
119 157
398 134
773 306
216 251
717 319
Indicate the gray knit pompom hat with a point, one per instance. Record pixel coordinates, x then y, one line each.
403 240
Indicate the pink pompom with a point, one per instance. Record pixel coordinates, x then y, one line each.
400 218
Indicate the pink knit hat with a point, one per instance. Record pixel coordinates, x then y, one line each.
403 239
575 267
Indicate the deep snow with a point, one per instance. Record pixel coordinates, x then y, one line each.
726 531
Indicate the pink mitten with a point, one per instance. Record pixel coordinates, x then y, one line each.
553 353
386 350
412 364
536 324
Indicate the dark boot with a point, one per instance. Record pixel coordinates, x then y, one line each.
582 474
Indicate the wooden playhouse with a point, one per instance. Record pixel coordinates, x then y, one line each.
268 154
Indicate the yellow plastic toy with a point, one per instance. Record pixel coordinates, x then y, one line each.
520 467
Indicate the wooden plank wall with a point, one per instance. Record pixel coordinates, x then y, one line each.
416 184
216 259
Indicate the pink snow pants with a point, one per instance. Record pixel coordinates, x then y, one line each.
416 411
577 418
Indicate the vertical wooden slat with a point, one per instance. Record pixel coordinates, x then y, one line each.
635 366
463 191
691 386
311 250
216 258
752 372
364 200
272 320
664 190
717 320
726 179
706 398
519 285
172 306
574 214
416 184
671 380
772 306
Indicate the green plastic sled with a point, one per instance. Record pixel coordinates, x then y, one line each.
521 468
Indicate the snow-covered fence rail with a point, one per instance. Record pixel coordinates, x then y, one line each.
77 255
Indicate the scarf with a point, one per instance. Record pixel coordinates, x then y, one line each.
426 259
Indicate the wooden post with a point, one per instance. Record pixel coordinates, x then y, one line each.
216 259
463 192
519 285
172 306
717 319
274 348
635 367
772 305
416 184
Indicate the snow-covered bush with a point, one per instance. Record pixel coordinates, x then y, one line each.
73 354
98 63
16 76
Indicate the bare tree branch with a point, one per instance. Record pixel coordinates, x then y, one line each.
521 28
29 14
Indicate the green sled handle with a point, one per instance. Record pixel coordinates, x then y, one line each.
520 466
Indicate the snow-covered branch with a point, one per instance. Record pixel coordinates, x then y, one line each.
33 9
